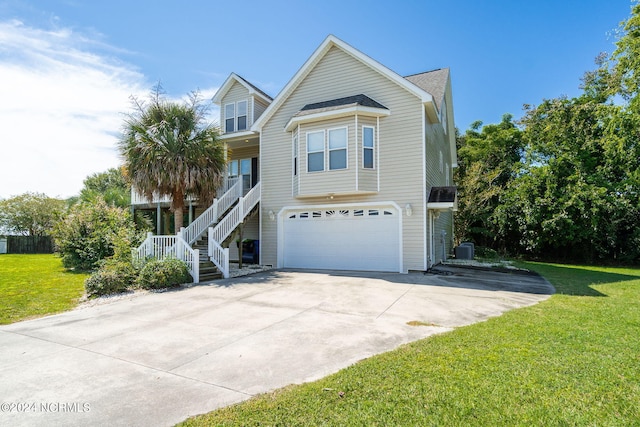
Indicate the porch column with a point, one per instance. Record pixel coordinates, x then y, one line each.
158 219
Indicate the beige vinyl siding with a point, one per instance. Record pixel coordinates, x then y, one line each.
338 75
437 142
258 108
237 93
251 231
244 153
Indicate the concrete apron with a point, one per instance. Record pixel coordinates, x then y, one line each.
155 359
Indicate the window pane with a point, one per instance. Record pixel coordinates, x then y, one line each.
229 111
316 162
242 115
367 137
233 168
338 159
242 122
367 161
315 141
245 166
229 125
337 138
242 108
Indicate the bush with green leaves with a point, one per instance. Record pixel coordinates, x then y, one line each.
112 277
167 273
89 233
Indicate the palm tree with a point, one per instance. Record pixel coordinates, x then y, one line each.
168 149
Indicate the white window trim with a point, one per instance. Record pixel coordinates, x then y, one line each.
236 116
233 104
373 148
329 150
441 161
324 150
296 153
245 115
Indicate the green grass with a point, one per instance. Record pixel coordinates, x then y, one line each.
573 359
36 285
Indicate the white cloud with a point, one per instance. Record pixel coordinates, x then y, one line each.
61 106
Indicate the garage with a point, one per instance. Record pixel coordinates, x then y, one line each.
359 237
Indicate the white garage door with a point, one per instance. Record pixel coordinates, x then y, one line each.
357 238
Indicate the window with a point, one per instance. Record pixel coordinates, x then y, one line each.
315 151
368 147
229 118
295 155
245 171
232 169
338 149
235 117
242 115
441 162
335 145
446 177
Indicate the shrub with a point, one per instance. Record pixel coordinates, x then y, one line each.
89 233
111 278
486 253
167 273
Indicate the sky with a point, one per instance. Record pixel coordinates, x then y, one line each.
69 67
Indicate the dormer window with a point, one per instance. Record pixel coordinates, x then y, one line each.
230 118
242 115
235 116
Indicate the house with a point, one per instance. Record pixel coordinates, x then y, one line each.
349 167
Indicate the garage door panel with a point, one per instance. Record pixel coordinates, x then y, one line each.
346 239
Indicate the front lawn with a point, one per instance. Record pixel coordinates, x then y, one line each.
573 359
36 285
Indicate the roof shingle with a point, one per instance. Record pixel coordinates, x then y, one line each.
433 82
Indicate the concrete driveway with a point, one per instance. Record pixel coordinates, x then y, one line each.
155 359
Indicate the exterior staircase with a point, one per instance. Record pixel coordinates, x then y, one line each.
200 244
208 270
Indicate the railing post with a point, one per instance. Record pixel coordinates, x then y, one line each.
179 249
225 273
196 266
149 251
209 245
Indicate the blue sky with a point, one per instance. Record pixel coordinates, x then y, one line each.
67 67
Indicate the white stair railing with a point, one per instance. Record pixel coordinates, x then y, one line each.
162 247
218 255
213 212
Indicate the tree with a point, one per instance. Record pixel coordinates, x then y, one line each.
487 160
111 185
30 214
91 232
169 149
577 195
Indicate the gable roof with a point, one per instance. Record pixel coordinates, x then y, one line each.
434 82
233 78
320 52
